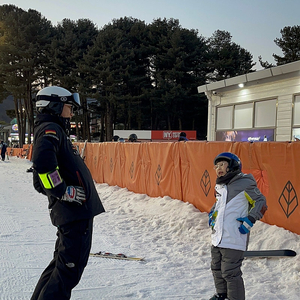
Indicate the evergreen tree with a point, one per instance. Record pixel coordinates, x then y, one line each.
24 38
118 69
178 66
227 58
265 64
143 76
289 44
70 44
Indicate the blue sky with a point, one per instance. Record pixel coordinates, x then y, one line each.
253 24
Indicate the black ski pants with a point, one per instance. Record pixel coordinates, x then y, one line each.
72 249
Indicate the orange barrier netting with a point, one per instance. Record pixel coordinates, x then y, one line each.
25 152
184 171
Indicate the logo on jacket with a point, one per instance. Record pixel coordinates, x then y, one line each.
288 199
49 131
74 148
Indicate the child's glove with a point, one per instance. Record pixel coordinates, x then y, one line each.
212 218
246 225
74 194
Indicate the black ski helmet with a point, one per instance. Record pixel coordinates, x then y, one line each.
51 100
132 138
234 163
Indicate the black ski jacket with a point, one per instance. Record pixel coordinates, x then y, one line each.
52 151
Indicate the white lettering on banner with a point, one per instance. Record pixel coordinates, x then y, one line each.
167 134
253 139
171 134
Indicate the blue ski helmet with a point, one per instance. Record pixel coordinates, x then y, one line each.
234 163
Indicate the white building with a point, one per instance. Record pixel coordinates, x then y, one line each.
262 105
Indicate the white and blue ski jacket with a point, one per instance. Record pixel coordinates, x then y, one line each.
239 198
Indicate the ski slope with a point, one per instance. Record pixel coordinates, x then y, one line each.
173 236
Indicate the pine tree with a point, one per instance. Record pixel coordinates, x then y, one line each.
289 44
178 66
25 35
227 58
117 66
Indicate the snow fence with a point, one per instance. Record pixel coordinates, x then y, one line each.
184 171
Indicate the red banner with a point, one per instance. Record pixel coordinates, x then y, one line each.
171 135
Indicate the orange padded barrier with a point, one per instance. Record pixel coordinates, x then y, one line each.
25 152
162 174
184 171
15 151
198 175
133 167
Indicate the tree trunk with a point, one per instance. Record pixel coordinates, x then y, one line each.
109 122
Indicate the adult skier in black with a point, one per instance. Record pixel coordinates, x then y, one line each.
3 148
60 174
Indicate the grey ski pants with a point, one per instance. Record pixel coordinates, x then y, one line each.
226 269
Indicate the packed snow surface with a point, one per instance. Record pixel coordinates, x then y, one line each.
172 236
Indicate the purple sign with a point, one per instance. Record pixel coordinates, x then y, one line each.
256 135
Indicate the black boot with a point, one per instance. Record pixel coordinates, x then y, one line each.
219 297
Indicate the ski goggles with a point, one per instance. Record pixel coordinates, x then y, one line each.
73 99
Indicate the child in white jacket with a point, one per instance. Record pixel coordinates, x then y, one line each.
239 203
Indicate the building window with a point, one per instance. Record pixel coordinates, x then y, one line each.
224 117
254 121
243 116
240 116
265 114
296 112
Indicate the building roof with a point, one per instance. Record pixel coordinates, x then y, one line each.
252 78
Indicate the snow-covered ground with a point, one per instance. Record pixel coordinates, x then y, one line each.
173 236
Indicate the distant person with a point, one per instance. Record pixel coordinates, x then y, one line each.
265 138
239 203
230 136
3 147
61 174
182 137
132 138
115 138
121 140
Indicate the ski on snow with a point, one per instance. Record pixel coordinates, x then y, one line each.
270 253
116 256
255 253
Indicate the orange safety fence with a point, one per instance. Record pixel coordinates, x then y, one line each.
25 152
184 171
14 151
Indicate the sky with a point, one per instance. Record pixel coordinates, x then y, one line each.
254 24
172 236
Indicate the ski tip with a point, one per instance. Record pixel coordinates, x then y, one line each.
292 252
